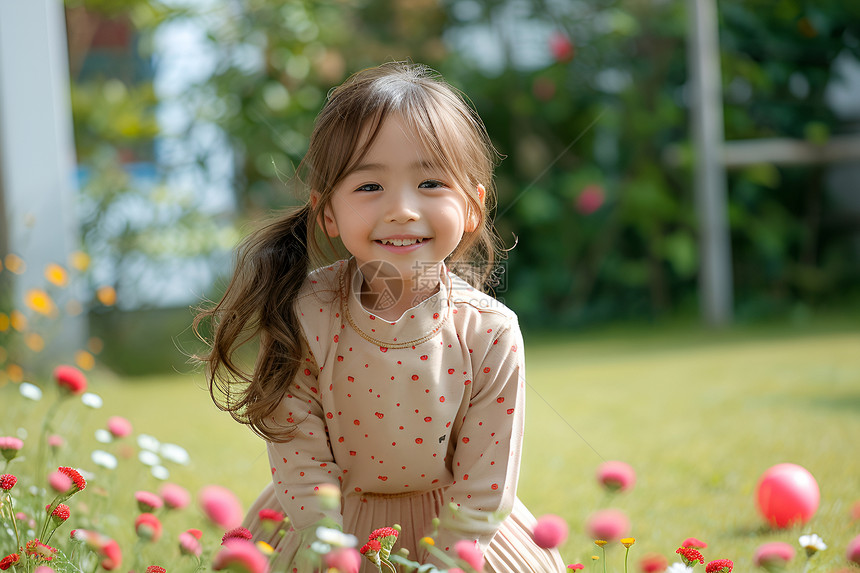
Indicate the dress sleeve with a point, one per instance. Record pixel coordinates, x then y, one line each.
305 462
486 459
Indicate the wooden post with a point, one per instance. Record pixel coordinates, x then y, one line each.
715 271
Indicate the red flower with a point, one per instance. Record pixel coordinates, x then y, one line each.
112 555
7 482
155 569
61 512
78 481
690 556
550 531
383 532
653 563
719 566
576 566
237 533
148 527
372 546
39 550
189 543
695 543
70 379
615 475
9 560
590 199
270 515
561 47
775 553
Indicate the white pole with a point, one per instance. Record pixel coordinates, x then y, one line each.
715 272
37 156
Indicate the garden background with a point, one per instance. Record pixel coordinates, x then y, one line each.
188 120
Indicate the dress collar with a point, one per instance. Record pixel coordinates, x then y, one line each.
416 325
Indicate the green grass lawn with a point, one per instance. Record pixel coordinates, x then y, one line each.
699 415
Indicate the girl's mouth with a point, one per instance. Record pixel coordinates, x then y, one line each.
401 242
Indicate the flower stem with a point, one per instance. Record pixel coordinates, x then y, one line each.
626 553
604 558
13 519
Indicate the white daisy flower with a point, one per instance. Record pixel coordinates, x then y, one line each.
30 391
91 400
104 459
103 436
147 442
160 472
174 453
148 458
812 543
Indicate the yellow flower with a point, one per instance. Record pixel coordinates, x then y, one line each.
595 558
106 295
34 342
80 261
265 548
15 264
15 373
18 320
600 542
56 275
628 541
4 322
84 360
428 541
40 301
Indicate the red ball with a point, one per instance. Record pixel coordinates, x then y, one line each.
787 495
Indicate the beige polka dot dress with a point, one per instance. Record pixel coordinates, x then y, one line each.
405 418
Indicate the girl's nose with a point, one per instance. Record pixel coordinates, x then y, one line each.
402 206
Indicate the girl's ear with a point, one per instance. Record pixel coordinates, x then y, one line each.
325 219
472 218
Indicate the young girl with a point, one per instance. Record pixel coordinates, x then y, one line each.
384 375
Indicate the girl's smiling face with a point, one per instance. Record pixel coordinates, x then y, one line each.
397 206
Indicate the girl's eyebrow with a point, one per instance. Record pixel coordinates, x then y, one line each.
420 164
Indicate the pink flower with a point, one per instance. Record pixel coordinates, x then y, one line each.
608 524
78 481
855 511
43 569
616 476
119 426
10 447
469 552
773 554
576 566
550 531
175 496
56 441
590 199
148 527
343 559
237 533
147 501
155 569
221 506
7 482
561 47
189 543
653 563
694 543
70 379
719 566
853 551
690 556
60 482
112 555
240 555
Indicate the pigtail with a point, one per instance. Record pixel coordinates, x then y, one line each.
258 305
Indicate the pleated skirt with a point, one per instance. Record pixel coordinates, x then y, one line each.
512 549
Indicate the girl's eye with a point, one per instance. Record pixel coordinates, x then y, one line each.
431 184
370 187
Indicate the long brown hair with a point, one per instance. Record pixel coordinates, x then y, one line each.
272 263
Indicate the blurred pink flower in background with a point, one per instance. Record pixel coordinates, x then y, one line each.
561 47
608 524
694 543
221 506
773 555
189 542
56 441
59 482
240 555
119 427
148 527
70 379
852 553
616 475
10 446
175 496
469 552
550 531
43 569
344 559
147 501
590 199
576 566
653 563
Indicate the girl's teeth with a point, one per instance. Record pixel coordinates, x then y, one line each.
400 242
